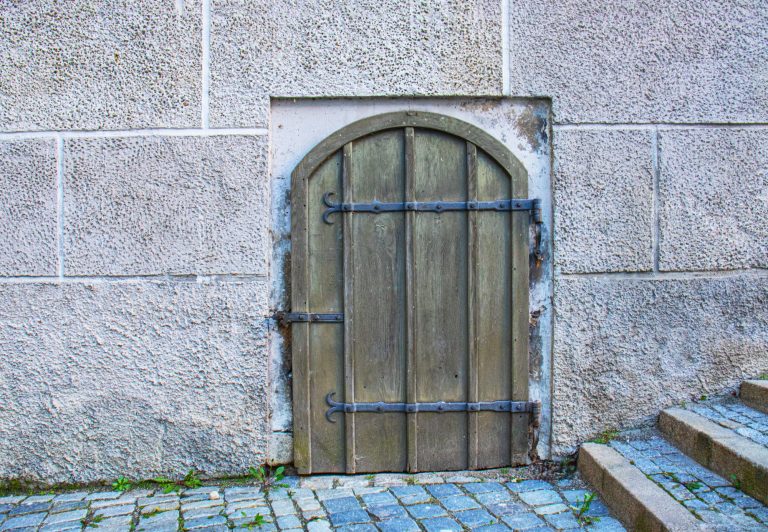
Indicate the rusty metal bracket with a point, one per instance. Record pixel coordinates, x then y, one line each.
286 318
376 207
533 407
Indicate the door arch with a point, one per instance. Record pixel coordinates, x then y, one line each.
409 236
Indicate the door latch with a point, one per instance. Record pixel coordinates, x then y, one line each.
286 318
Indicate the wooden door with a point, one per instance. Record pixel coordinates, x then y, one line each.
410 287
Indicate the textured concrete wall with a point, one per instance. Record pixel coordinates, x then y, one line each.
28 207
604 199
101 379
135 226
98 64
626 347
661 198
642 60
352 48
153 205
713 199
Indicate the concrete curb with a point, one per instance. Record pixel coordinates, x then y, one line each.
754 394
637 501
719 449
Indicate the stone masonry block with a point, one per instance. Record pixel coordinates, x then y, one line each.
713 197
28 220
137 379
98 64
349 48
603 200
625 349
640 61
150 205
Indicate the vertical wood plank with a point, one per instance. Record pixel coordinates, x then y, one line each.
302 443
493 313
410 315
520 317
347 184
472 304
378 327
440 299
326 293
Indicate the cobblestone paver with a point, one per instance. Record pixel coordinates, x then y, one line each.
733 414
708 496
397 503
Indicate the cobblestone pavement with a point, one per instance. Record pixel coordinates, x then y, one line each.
386 502
733 414
708 496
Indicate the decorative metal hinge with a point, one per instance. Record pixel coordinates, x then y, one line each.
534 407
376 207
286 318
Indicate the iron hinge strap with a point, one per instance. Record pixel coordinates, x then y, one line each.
376 207
286 318
533 407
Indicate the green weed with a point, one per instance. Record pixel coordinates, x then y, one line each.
258 520
582 509
91 521
268 479
191 480
168 485
606 436
121 484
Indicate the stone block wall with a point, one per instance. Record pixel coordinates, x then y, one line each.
660 197
135 224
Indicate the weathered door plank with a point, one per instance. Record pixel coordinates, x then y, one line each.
302 444
473 384
520 222
347 185
410 315
326 350
440 304
376 281
493 312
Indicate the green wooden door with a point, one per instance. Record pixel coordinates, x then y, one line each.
434 304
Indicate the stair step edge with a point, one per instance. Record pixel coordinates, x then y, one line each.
637 501
754 394
718 449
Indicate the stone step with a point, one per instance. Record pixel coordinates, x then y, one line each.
755 394
720 449
637 501
709 497
733 414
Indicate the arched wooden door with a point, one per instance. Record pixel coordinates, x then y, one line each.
410 299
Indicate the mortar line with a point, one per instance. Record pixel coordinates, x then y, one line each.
206 63
505 82
655 227
671 275
116 133
60 206
586 126
191 279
